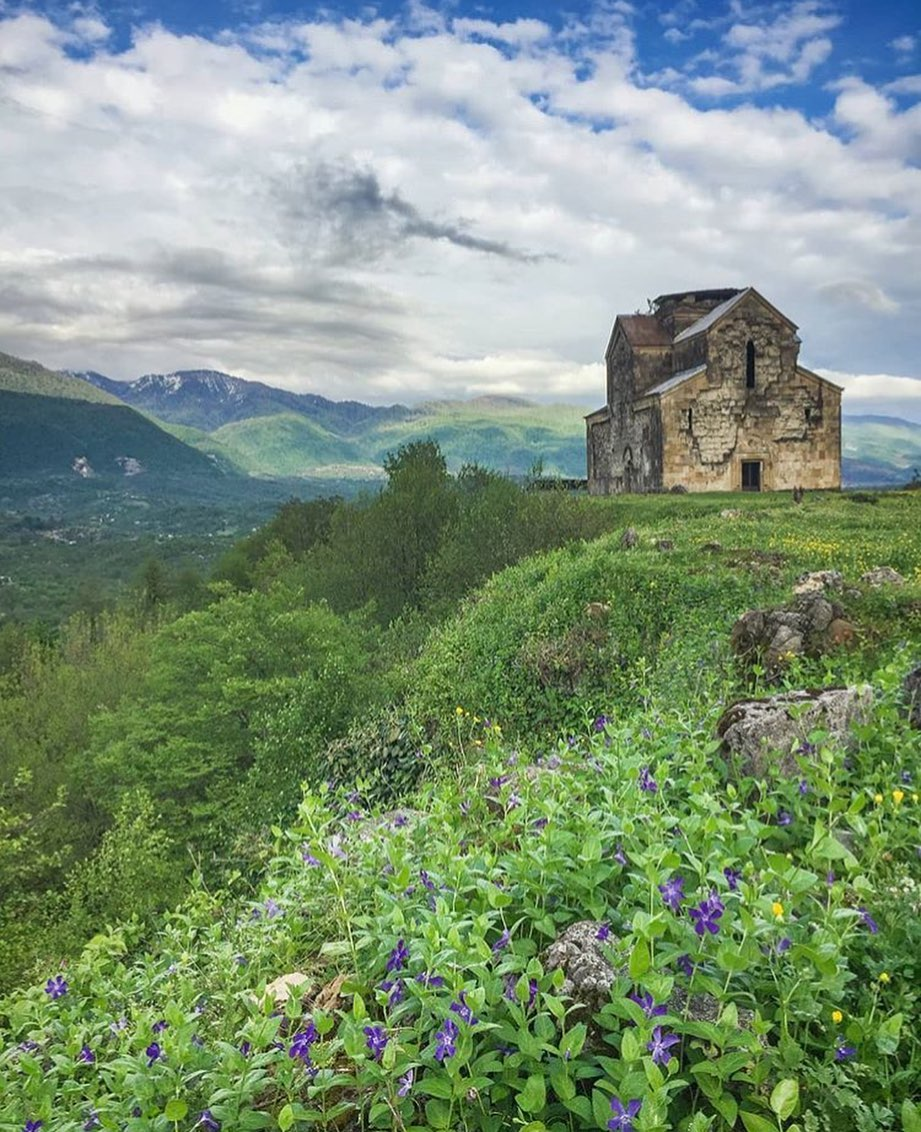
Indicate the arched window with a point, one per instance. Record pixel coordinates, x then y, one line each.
628 457
750 364
690 418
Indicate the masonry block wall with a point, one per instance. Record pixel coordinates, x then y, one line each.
710 398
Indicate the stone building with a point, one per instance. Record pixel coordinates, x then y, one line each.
705 393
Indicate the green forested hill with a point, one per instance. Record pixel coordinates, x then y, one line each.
20 376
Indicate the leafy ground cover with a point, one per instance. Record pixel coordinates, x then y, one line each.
760 937
763 941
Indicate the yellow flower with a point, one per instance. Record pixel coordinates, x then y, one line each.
777 909
877 798
837 1017
458 711
884 977
897 796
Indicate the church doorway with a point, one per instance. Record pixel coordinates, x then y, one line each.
751 475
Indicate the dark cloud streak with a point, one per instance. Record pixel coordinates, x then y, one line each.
343 214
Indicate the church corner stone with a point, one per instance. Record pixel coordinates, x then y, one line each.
705 392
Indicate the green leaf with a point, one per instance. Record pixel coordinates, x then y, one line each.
639 960
727 1107
591 850
286 1118
629 1046
573 1040
731 959
175 1109
755 1123
784 1097
359 1010
911 1118
434 1086
533 1097
437 1113
601 1107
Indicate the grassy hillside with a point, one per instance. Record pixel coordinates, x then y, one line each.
286 444
46 434
740 951
20 376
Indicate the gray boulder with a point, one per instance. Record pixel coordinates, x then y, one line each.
581 956
882 576
811 626
764 736
911 690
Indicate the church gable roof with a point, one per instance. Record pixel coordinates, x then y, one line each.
710 319
644 330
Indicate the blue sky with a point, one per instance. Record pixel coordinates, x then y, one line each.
405 201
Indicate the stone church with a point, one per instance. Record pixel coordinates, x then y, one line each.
705 393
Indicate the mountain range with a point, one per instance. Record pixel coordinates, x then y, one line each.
207 427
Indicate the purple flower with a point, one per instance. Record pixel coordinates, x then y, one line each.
803 786
620 856
603 933
784 945
647 782
428 980
539 823
513 802
154 1053
510 983
462 1010
465 808
399 820
197 1041
502 942
427 882
554 762
733 876
302 1041
92 1121
56 987
498 783
445 1040
246 1048
829 878
33 1125
784 817
208 1122
706 914
308 858
868 921
354 815
648 1005
601 722
334 847
376 1037
398 957
272 909
673 892
159 1027
86 1055
406 1083
622 1120
660 1045
906 777
684 962
843 1052
397 991
28 1046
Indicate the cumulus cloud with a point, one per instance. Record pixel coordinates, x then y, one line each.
416 206
878 394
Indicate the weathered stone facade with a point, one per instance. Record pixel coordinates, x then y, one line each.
705 393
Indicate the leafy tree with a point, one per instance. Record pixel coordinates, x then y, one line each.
217 678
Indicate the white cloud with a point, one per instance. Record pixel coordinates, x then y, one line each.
393 210
880 394
904 45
